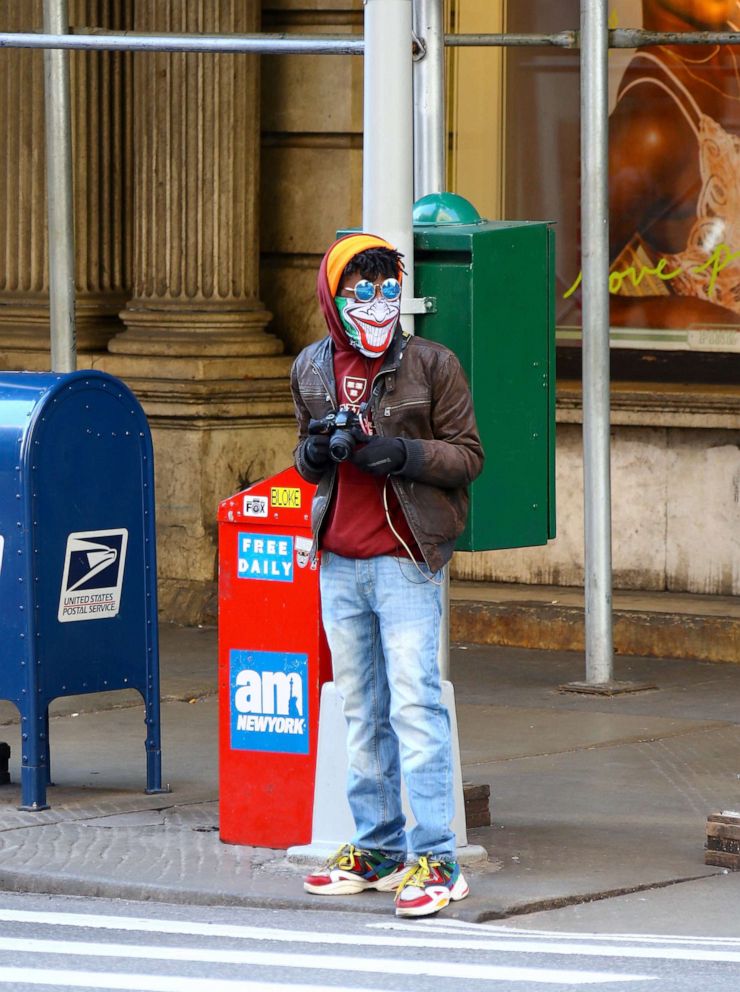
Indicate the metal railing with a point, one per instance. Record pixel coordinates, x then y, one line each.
286 44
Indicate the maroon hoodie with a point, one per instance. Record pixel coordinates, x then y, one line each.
356 525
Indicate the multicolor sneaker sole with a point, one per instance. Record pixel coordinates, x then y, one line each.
352 870
429 886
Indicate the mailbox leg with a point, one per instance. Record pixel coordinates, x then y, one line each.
33 788
34 770
4 759
153 748
47 748
154 772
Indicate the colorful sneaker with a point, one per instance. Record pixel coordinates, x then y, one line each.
351 870
429 886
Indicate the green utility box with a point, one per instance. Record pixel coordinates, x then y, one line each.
493 287
493 283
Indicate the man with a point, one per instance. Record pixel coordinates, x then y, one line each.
386 519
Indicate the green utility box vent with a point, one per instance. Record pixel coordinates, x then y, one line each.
494 288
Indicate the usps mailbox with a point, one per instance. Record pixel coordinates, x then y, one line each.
78 597
273 658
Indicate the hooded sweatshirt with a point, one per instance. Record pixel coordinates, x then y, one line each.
356 524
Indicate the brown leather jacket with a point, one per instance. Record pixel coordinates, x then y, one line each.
420 395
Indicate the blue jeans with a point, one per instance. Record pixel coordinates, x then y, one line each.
382 622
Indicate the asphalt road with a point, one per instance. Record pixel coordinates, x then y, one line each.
74 943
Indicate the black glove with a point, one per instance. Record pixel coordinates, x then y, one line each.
381 455
316 451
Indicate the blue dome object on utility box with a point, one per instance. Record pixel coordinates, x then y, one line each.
78 593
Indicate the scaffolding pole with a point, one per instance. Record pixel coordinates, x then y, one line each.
59 194
429 99
257 44
595 261
388 146
85 39
429 177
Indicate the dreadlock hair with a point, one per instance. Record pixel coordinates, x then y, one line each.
375 263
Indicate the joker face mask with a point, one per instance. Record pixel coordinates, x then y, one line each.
370 323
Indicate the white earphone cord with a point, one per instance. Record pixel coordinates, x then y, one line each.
427 578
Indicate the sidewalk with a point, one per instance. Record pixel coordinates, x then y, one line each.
591 796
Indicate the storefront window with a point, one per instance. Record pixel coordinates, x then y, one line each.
674 179
542 139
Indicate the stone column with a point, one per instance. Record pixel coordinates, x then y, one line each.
213 381
196 256
101 185
311 159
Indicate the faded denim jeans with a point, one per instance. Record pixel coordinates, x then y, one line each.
382 622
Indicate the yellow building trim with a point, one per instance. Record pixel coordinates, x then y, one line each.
475 102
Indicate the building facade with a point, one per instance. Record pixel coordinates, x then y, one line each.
208 187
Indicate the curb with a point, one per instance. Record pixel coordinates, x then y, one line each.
475 909
109 888
561 628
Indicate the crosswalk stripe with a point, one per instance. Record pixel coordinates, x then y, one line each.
151 983
234 931
652 938
320 962
609 945
441 925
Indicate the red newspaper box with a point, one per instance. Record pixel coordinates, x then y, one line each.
273 659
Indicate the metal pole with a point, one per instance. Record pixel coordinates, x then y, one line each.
59 194
429 177
564 39
595 251
639 38
259 44
388 148
429 99
285 44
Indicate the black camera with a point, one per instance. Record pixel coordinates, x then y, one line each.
341 425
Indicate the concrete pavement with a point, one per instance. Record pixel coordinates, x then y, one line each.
591 796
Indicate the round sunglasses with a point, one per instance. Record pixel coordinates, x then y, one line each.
364 291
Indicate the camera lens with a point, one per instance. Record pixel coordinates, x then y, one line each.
341 445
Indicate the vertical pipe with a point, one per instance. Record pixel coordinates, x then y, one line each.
388 150
429 100
595 235
59 193
429 177
443 653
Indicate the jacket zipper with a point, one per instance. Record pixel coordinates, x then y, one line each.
325 384
315 544
399 406
391 368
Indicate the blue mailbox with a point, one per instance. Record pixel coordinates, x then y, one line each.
78 595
